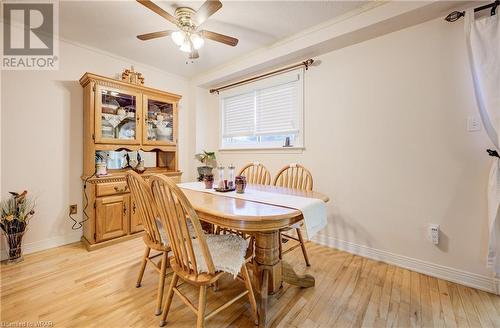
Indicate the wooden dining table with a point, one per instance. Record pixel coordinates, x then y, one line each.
263 221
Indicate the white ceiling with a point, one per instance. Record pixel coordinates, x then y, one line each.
113 25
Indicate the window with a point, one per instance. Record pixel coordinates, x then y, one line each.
263 114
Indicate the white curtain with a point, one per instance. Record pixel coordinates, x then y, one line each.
483 45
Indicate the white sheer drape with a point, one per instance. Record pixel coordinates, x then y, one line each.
483 45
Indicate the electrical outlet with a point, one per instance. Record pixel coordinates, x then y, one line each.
473 124
73 209
434 233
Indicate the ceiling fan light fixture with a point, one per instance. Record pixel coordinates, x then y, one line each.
178 37
187 20
186 46
197 41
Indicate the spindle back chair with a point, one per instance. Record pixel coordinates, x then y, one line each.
256 173
154 238
294 176
175 211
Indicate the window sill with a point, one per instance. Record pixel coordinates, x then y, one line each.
264 149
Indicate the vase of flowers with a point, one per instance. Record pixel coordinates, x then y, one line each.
16 214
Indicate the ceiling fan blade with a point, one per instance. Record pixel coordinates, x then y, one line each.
154 35
150 5
230 41
207 9
194 54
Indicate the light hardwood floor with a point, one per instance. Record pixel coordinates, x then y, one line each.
74 288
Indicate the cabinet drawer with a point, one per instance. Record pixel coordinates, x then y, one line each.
112 188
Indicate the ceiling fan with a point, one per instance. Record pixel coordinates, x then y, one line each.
187 36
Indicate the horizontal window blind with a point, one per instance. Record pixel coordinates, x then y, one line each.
269 107
239 115
277 110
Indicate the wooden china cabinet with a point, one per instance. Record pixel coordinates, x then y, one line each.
123 119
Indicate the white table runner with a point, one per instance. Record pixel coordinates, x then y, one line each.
313 209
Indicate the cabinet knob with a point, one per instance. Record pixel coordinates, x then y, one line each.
124 209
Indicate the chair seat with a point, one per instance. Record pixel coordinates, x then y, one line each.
228 253
200 279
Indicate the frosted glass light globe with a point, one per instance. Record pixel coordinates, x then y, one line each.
186 46
178 37
197 41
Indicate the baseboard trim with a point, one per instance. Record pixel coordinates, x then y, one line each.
42 245
489 284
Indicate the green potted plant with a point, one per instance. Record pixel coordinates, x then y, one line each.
16 214
209 162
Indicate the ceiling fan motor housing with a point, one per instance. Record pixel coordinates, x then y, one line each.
184 18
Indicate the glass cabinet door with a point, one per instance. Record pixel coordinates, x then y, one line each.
117 119
160 122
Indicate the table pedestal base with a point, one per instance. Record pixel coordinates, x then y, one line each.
270 272
292 278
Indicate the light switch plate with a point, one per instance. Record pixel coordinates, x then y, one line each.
473 124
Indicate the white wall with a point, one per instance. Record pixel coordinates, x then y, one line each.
41 135
386 139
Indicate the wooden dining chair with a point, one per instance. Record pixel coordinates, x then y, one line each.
201 261
294 176
155 237
256 173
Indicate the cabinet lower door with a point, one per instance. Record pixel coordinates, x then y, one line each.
111 217
135 217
